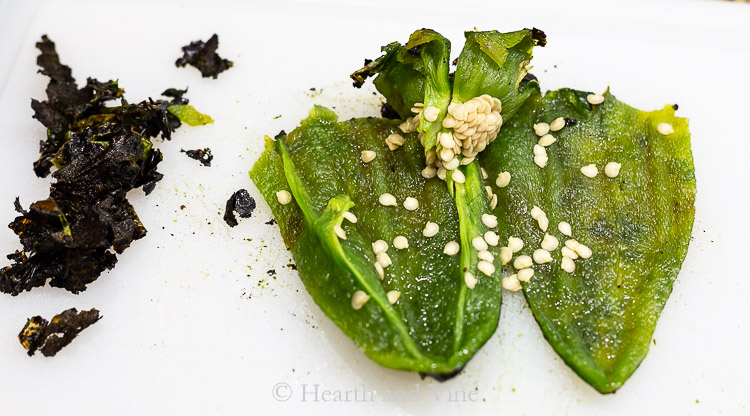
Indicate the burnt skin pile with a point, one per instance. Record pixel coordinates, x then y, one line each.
100 153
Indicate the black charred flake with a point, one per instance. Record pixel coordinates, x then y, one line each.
539 36
386 111
203 56
240 202
529 77
570 122
50 337
272 221
101 153
202 155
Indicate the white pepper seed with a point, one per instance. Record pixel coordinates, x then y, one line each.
442 173
451 164
539 150
430 229
515 244
542 256
485 175
340 233
400 242
525 275
665 128
478 243
451 248
583 251
506 254
557 124
550 242
543 223
565 228
379 246
487 268
541 160
284 197
522 262
547 140
488 190
492 238
393 296
571 244
595 99
589 170
429 172
446 139
458 176
541 129
466 161
431 113
489 220
486 256
379 270
511 283
537 213
470 280
394 141
384 259
567 252
568 264
411 204
359 299
493 202
503 179
612 169
387 200
368 156
349 216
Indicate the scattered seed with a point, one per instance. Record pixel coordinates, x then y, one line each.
541 129
557 124
479 243
612 169
458 176
359 299
485 175
583 251
543 223
539 150
387 200
429 172
506 254
493 202
430 229
568 264
541 160
590 170
486 256
451 248
547 140
571 244
451 164
400 242
488 190
284 197
466 161
542 256
446 139
470 280
411 204
487 268
511 283
566 252
595 99
565 228
503 179
431 113
393 296
394 141
522 262
379 246
492 238
442 173
489 220
368 156
515 244
525 275
550 242
384 259
665 128
340 233
350 217
537 213
379 270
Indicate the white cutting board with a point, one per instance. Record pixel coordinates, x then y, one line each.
193 324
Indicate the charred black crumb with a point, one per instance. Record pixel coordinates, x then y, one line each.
368 61
271 222
539 36
529 77
240 202
50 337
203 56
202 155
313 88
386 111
182 207
455 62
570 122
271 272
100 152
416 50
292 266
675 107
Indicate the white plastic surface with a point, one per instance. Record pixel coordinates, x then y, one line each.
193 324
